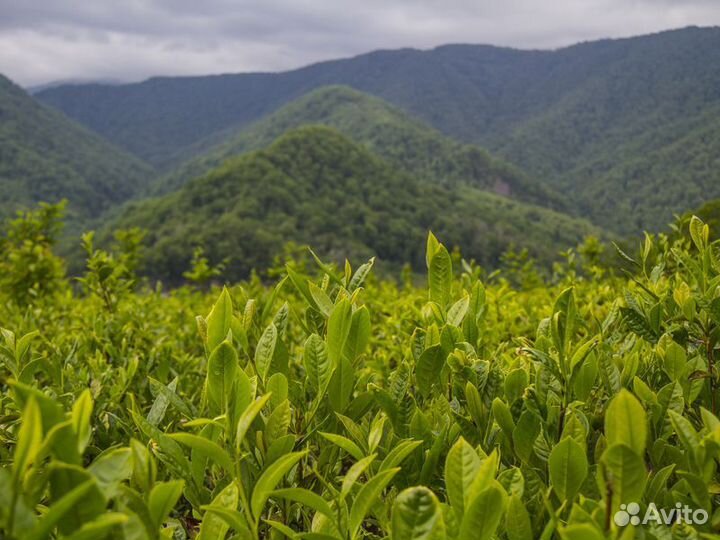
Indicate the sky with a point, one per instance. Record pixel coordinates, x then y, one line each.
129 40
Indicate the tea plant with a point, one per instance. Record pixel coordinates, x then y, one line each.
338 406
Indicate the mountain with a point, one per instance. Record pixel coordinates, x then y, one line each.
590 120
655 175
35 88
401 140
45 156
315 186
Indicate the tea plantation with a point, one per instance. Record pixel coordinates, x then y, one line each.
333 404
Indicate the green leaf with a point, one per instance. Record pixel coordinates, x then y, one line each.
344 443
440 276
58 510
23 345
484 513
241 396
624 473
247 418
81 413
428 368
214 527
219 321
675 361
166 394
51 411
626 422
461 466
232 518
431 248
398 454
144 468
63 478
281 528
318 368
354 472
206 447
99 527
278 423
162 500
29 439
265 351
321 298
416 515
359 334
278 386
360 275
338 329
278 448
502 416
366 497
699 232
307 498
458 310
342 384
61 443
162 401
525 433
685 432
301 284
270 479
377 430
221 369
568 468
171 453
111 468
483 477
517 520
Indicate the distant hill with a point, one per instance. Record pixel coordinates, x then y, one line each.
385 130
591 120
654 175
315 186
45 156
34 89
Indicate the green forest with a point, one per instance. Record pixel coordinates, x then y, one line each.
315 187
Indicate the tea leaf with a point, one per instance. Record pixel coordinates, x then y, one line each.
416 515
568 468
625 422
270 479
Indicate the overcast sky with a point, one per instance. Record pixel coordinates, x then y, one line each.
49 40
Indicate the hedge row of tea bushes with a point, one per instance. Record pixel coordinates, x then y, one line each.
331 405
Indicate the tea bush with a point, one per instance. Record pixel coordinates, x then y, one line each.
339 406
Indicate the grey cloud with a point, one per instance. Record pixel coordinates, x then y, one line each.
42 40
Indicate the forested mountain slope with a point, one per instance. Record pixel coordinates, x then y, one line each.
315 186
386 131
591 120
45 156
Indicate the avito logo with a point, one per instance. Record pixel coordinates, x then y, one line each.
629 514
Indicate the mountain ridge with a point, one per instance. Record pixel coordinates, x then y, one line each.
387 131
568 117
238 99
45 156
320 188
